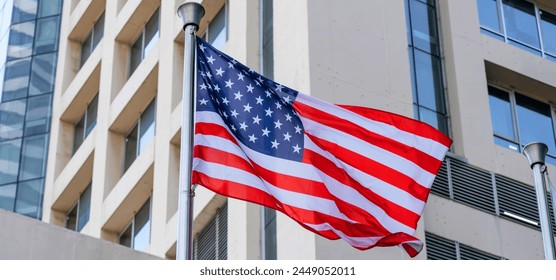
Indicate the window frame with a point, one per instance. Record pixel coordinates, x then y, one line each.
87 127
137 127
206 33
77 208
91 38
131 226
141 36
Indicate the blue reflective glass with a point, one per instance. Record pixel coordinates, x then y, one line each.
521 23
24 10
488 14
29 198
506 144
46 37
16 79
21 40
9 161
37 119
501 113
7 197
429 81
142 228
548 27
12 119
424 25
434 119
84 208
535 122
43 72
49 8
217 29
33 157
147 126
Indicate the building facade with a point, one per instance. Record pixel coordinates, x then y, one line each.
29 36
465 67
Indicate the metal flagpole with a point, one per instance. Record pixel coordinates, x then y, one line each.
191 14
536 153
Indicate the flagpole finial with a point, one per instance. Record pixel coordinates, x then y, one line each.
191 13
535 153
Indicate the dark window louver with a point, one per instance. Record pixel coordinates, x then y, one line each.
470 253
472 186
441 186
439 248
212 242
517 201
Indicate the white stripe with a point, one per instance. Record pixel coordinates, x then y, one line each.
379 187
295 199
382 156
426 145
362 242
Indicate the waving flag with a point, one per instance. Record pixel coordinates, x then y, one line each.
347 172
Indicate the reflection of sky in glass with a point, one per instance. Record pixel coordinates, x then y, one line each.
488 14
535 123
501 115
142 230
548 27
217 30
520 22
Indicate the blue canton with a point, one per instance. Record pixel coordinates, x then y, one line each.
258 111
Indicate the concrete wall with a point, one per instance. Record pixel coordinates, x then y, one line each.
23 238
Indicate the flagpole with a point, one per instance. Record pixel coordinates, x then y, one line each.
191 14
536 153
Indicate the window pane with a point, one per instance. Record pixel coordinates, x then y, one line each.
71 218
46 38
520 21
38 114
506 144
125 238
16 79
434 119
130 148
43 72
147 126
29 198
488 14
33 163
429 81
136 55
9 161
423 22
142 229
151 32
98 30
50 7
217 29
78 134
11 119
91 116
86 48
501 113
535 122
84 208
21 40
7 197
24 10
548 26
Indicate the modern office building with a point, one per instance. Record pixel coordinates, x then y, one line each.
29 32
482 71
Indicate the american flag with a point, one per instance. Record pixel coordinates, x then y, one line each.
347 172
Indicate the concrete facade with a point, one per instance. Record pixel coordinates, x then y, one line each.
346 52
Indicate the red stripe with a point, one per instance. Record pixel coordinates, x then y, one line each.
418 157
369 166
406 124
394 210
213 129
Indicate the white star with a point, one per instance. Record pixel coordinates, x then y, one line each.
238 95
231 65
278 124
296 148
278 105
279 87
203 101
268 93
234 113
219 71
260 79
252 138
203 74
211 59
225 101
202 47
240 76
287 99
259 100
208 75
297 129
203 86
287 136
229 83
288 117
268 112
234 128
243 126
266 132
250 88
258 84
256 119
275 144
225 115
217 88
247 108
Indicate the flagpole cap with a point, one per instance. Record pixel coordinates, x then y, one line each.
535 152
191 13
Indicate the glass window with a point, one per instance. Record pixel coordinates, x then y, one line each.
217 30
29 198
84 208
24 10
130 148
151 32
92 40
142 228
136 56
21 40
11 119
37 118
535 122
147 126
425 35
429 82
488 14
43 72
548 27
46 37
521 24
501 114
433 118
33 163
85 124
71 218
7 197
16 79
144 42
49 8
78 134
9 160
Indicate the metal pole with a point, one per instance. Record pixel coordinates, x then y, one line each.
191 14
536 153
